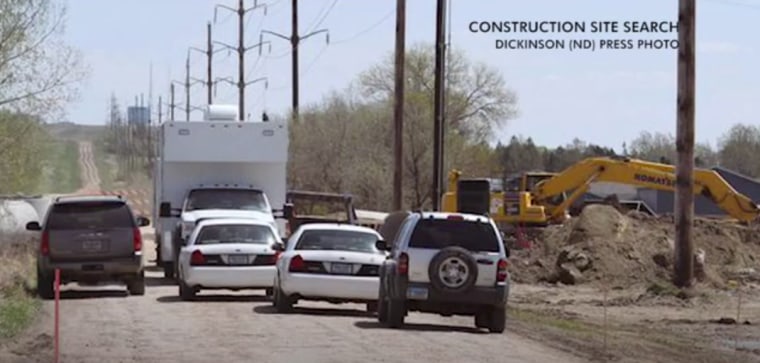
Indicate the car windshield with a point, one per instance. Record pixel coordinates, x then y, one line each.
244 199
442 233
336 240
235 233
90 215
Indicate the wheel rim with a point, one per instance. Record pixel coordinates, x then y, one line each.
453 272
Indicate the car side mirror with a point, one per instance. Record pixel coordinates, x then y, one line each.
279 247
33 226
165 210
382 245
143 221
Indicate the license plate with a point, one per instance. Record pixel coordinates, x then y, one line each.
417 293
92 245
341 268
237 259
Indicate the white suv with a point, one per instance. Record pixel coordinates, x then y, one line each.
448 264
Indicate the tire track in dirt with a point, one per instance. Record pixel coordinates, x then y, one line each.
88 169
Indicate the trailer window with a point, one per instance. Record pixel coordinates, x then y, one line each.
243 199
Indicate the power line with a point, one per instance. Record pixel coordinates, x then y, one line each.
321 20
241 49
368 29
295 39
319 14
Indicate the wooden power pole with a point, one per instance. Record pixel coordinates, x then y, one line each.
295 39
440 74
172 105
209 53
241 48
684 202
398 109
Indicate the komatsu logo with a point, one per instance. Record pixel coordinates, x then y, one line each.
654 180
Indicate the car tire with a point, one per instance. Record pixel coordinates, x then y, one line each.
176 247
396 313
168 270
482 319
136 286
382 306
186 293
45 288
372 307
281 302
497 320
463 255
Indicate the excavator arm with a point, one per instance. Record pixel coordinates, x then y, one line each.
578 177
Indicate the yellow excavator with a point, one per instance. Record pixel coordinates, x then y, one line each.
540 198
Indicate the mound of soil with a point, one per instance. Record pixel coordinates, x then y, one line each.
605 246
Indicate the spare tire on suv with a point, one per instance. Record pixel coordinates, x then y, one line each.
453 270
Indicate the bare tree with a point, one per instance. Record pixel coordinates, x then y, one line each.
39 73
478 101
739 148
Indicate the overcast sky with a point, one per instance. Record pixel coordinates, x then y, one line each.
605 97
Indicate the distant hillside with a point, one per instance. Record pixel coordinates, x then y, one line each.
75 132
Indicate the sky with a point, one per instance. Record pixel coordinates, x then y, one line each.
605 97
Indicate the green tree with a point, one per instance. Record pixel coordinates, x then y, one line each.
345 143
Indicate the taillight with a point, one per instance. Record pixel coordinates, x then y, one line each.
137 239
45 243
403 264
501 272
455 217
297 264
197 258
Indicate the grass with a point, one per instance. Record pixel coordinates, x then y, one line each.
18 306
107 169
17 311
541 318
61 170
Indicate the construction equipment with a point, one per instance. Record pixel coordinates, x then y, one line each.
305 207
539 199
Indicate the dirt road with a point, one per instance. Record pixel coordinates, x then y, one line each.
104 324
90 177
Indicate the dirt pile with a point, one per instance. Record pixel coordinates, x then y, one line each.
602 245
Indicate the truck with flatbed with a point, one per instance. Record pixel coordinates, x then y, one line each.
216 168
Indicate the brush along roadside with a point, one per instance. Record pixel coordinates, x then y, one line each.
18 303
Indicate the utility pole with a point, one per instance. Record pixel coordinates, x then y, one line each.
241 48
684 208
398 109
187 87
160 105
440 73
295 40
209 53
172 105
